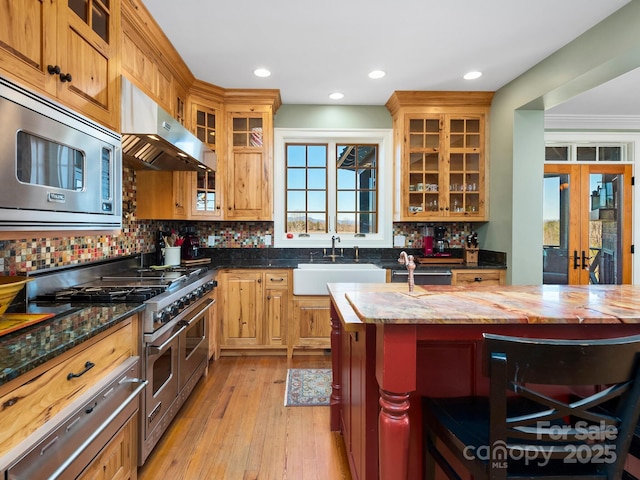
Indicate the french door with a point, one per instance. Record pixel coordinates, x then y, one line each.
587 224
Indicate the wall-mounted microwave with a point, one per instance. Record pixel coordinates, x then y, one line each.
61 171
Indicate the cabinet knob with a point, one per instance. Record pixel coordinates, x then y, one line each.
53 69
65 77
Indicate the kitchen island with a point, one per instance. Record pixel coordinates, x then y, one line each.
390 347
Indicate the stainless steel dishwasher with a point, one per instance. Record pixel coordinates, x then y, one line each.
431 276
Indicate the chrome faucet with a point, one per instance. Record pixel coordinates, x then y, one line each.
411 266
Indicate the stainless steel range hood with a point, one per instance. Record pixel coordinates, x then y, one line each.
153 139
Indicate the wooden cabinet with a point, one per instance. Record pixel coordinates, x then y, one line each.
67 50
254 308
480 276
214 331
163 195
442 142
116 460
206 124
35 397
311 324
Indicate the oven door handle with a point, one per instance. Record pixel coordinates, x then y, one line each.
158 348
103 426
202 310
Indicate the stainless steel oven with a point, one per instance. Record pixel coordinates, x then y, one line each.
175 357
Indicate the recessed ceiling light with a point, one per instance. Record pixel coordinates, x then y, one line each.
377 74
472 75
336 96
261 72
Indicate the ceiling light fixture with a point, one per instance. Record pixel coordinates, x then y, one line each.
336 96
262 72
377 74
472 75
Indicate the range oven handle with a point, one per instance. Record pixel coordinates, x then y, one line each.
401 273
158 348
210 302
103 426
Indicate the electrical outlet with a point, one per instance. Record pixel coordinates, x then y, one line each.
211 240
267 240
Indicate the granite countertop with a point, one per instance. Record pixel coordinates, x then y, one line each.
25 349
557 304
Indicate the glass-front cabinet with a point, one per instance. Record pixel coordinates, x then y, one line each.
445 175
205 191
442 154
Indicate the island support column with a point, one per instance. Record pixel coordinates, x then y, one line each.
396 376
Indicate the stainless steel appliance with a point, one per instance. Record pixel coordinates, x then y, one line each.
174 342
153 139
80 432
60 170
423 276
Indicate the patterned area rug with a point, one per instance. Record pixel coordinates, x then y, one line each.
307 387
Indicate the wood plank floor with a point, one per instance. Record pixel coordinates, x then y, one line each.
234 426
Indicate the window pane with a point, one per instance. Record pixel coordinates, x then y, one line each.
317 201
367 223
317 178
296 178
316 223
296 155
317 156
557 154
346 201
346 178
609 154
586 154
367 201
346 223
296 201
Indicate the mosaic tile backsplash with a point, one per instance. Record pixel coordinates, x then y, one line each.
139 236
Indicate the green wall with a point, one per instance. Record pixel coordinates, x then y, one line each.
332 116
609 49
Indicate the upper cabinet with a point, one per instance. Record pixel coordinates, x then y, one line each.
442 142
69 50
248 159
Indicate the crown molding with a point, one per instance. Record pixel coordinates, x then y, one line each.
591 122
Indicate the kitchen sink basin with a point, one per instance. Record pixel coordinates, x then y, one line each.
312 278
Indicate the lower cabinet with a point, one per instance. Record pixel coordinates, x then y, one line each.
115 461
257 313
253 309
311 327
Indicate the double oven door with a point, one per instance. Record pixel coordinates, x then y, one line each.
171 360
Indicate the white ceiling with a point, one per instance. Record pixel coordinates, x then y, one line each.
315 48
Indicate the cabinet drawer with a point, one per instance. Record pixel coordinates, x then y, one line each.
478 277
44 392
276 278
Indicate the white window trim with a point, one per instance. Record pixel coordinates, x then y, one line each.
384 138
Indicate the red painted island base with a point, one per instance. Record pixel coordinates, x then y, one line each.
390 347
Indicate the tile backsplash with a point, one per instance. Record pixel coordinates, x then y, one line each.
27 253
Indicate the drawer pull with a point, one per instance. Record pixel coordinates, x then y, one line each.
87 366
277 279
477 279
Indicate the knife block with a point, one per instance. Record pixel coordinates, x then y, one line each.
471 256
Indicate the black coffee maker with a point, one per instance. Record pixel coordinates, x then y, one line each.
439 233
190 245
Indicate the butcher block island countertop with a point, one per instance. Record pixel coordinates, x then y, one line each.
391 346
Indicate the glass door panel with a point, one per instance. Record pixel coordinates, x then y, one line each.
587 224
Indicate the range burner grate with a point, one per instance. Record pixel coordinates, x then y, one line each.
101 294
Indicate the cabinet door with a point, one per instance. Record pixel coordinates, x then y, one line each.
162 195
444 167
27 41
241 308
205 198
311 322
276 307
248 166
88 56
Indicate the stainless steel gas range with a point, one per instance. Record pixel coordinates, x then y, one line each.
175 326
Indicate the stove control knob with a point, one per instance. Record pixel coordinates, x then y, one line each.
174 309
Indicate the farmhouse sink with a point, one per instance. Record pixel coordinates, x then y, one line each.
312 278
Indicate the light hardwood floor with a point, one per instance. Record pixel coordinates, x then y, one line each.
234 426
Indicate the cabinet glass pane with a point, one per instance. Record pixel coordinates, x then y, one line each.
100 22
80 8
